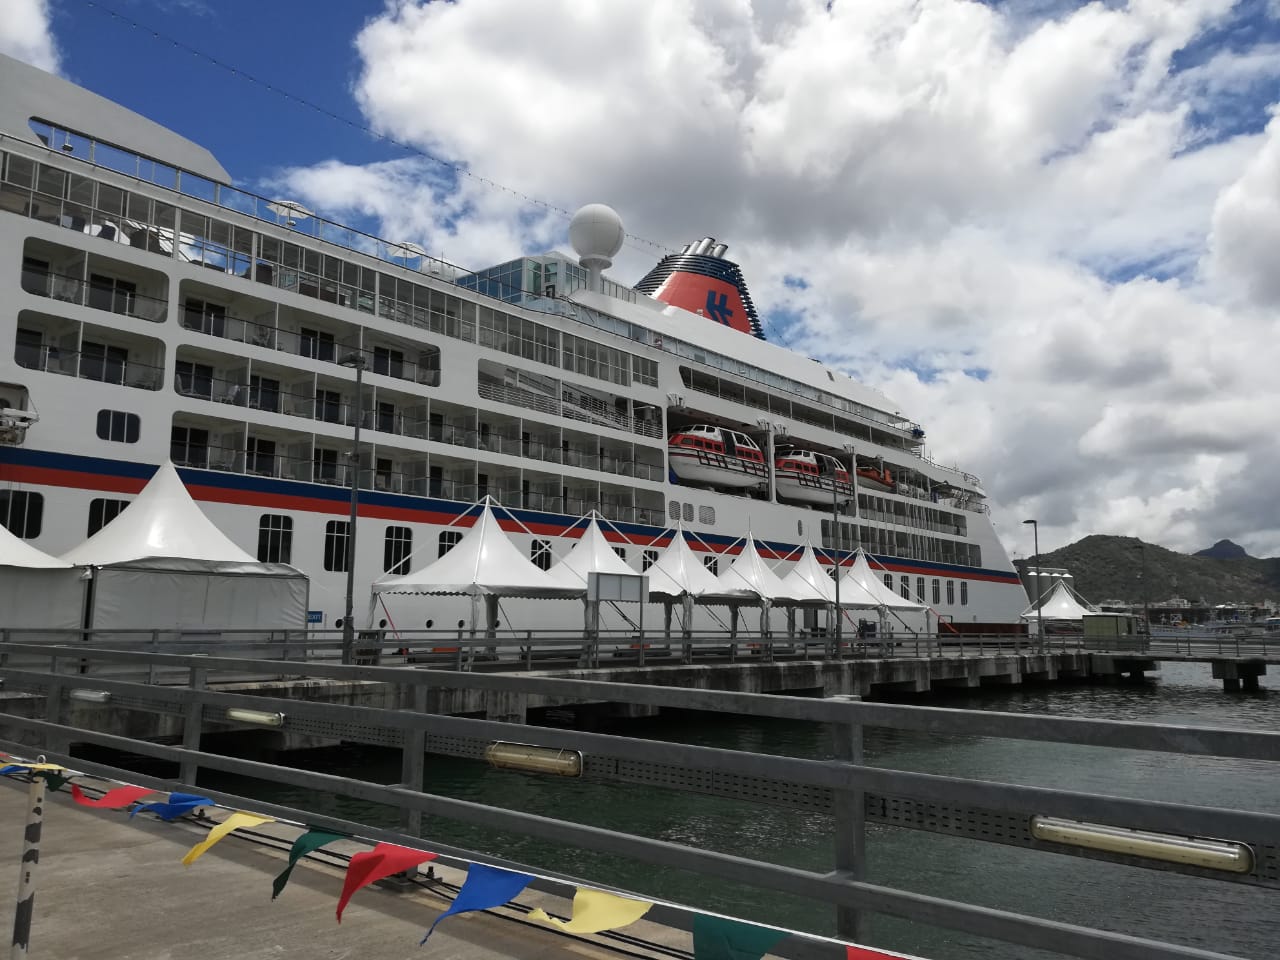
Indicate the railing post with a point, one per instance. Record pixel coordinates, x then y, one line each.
528 650
850 820
192 723
412 760
53 707
155 648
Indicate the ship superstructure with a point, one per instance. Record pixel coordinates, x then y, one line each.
155 312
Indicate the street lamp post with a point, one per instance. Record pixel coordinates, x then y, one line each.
835 539
1035 533
357 361
1146 594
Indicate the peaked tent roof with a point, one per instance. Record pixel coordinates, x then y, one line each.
162 522
865 588
750 577
16 552
591 554
677 572
1059 605
809 573
484 561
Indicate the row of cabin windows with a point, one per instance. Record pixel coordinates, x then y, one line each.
22 513
905 589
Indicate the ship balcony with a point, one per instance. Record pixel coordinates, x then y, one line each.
69 275
56 345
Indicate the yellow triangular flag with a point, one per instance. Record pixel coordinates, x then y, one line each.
233 822
33 766
595 911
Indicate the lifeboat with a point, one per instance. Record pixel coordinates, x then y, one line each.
877 478
806 476
715 457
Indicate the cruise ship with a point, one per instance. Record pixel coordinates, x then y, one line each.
156 312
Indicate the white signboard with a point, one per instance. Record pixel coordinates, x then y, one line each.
617 587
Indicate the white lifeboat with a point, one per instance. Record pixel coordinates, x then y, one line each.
807 476
715 457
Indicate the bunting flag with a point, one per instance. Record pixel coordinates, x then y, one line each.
309 842
373 865
866 953
177 805
234 822
112 799
485 887
29 768
715 938
54 781
595 911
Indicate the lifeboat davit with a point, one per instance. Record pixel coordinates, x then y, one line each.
877 478
715 457
807 476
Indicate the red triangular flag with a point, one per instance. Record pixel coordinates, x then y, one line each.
112 799
866 953
372 865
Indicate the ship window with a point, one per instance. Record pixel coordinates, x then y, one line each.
112 293
644 370
388 362
673 509
712 564
102 511
707 515
118 426
328 406
964 592
888 581
688 512
937 592
316 344
906 587
260 456
204 317
920 589
194 379
22 512
264 393
29 348
101 362
275 538
336 544
648 559
325 463
396 547
448 540
621 552
189 446
951 591
540 554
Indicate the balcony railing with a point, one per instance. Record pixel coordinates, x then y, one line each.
570 404
113 298
90 366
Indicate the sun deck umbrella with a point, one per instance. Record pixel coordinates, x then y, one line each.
484 565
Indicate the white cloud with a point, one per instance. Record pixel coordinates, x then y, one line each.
1033 195
26 34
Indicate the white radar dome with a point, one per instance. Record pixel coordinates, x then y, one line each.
596 232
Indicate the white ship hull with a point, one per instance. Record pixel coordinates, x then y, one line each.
160 338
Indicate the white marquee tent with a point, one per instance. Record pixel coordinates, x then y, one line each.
1060 604
38 591
863 588
163 564
750 580
591 554
680 575
484 565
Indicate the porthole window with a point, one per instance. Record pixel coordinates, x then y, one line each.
118 426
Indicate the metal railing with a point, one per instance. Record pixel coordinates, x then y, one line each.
110 297
843 788
89 365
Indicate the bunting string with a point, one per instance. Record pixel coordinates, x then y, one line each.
486 887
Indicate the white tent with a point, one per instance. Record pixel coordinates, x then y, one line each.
810 574
483 565
163 564
38 591
591 554
750 580
1060 604
863 588
680 575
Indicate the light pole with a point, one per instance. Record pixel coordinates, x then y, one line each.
355 359
835 539
1146 597
1035 533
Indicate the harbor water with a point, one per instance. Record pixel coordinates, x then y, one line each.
1231 918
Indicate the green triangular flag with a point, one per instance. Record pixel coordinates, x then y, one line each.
53 781
309 842
715 938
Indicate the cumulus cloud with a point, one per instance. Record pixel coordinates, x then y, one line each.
1033 225
26 34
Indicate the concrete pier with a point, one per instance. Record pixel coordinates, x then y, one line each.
1239 674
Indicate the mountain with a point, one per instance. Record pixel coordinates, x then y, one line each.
1107 567
1223 550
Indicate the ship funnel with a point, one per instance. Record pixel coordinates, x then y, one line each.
719 249
703 246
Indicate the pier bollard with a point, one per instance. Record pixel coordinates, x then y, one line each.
25 905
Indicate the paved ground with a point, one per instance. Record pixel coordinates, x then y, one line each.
110 888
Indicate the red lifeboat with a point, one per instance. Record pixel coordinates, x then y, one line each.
806 476
715 457
877 478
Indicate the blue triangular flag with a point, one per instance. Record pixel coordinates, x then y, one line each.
176 806
484 888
